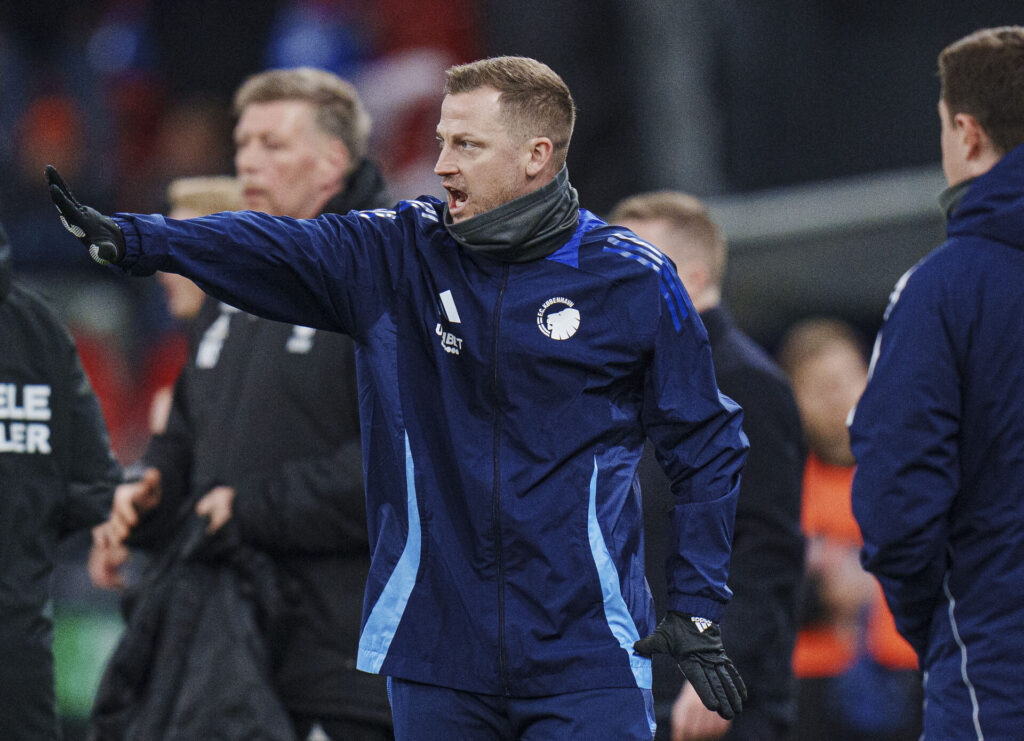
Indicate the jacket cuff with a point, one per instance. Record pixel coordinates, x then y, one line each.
132 243
137 260
697 606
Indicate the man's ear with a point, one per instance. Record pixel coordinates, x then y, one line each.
975 142
696 279
336 160
540 153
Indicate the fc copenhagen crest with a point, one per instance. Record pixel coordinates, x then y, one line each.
558 319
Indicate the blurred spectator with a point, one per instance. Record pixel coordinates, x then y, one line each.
759 624
190 138
96 313
57 476
401 94
319 33
856 674
96 309
51 129
187 198
415 42
263 439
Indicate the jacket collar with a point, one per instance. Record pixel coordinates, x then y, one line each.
950 198
526 228
364 188
716 321
992 205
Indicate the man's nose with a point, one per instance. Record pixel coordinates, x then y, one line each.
245 159
445 163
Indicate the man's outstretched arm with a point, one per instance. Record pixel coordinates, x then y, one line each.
335 272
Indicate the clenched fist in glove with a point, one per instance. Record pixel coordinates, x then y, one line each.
696 645
97 232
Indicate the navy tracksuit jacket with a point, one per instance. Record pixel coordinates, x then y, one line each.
503 409
939 442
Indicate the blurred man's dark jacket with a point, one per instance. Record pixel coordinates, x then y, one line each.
272 410
760 622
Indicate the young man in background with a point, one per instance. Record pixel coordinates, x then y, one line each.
939 432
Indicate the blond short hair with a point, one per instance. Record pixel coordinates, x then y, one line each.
810 338
685 214
206 195
339 110
534 101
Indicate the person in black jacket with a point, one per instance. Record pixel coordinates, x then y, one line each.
760 623
187 198
263 432
57 476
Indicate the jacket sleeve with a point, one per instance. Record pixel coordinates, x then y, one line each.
93 472
313 506
904 437
699 442
333 272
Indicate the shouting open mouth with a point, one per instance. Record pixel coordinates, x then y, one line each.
456 201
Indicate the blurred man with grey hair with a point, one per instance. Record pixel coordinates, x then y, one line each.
264 418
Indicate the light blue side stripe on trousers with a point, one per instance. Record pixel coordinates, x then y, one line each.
382 623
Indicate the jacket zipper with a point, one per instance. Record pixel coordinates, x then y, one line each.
496 496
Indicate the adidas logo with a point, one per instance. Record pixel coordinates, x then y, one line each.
448 306
701 624
450 342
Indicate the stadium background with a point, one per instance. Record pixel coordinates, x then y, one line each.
808 125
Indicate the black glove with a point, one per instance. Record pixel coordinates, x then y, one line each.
696 645
97 232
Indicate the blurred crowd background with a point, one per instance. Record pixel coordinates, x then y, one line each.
809 126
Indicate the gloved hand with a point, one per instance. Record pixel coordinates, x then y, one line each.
97 232
696 645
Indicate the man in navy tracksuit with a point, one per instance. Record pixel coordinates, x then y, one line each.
513 352
939 432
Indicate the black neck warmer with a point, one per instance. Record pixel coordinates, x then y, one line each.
950 198
364 188
524 229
